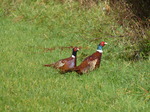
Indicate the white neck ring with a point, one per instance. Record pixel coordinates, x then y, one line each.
73 56
100 51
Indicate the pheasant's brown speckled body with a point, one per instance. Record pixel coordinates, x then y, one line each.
91 62
66 64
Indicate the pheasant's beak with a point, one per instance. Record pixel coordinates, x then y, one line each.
78 49
105 43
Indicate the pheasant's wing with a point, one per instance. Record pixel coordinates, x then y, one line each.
59 64
92 64
88 64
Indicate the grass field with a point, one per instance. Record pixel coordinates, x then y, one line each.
25 85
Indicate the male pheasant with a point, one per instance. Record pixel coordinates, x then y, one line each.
91 62
66 64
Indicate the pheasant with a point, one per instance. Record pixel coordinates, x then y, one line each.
66 64
91 62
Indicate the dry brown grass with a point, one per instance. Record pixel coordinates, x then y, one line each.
85 3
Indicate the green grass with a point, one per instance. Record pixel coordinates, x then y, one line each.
25 85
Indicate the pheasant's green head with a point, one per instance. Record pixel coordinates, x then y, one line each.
100 46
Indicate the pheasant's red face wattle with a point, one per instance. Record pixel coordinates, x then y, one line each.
103 43
75 49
